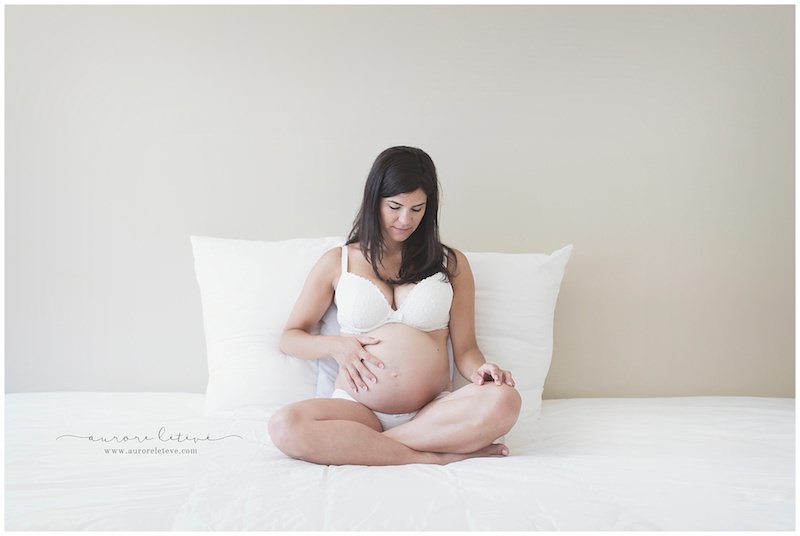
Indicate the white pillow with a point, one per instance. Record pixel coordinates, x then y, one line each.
248 289
515 300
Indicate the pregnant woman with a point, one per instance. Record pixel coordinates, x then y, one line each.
400 293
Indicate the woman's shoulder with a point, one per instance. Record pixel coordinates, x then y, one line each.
330 260
453 253
457 262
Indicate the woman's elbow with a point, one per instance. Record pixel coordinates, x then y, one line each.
284 344
292 341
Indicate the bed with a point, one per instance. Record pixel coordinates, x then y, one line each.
705 463
192 461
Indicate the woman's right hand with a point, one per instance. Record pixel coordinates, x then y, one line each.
353 357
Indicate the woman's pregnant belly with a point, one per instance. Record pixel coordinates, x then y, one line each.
416 369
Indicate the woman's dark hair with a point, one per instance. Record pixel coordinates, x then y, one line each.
400 170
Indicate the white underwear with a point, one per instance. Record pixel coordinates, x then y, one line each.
387 420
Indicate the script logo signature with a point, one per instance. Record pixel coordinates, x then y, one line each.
162 436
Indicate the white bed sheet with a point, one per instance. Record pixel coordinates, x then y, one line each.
695 463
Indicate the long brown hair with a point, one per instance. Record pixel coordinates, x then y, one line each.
399 170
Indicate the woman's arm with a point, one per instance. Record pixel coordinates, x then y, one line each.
314 300
469 359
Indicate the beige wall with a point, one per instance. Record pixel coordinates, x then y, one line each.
658 140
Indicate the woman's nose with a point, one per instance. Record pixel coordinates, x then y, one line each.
405 217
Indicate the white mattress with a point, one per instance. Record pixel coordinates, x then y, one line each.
699 463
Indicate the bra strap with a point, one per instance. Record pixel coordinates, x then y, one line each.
344 258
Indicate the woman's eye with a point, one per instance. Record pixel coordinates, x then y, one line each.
393 207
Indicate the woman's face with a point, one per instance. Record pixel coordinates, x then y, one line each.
401 214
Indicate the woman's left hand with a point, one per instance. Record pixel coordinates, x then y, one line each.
491 372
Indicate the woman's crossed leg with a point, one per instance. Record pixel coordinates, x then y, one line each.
461 425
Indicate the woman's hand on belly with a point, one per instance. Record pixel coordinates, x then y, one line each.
416 370
352 356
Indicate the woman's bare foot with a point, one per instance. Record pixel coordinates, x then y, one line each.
495 449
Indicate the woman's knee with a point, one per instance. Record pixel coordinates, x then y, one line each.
502 405
285 429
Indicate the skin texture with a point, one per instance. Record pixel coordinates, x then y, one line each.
394 369
415 370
